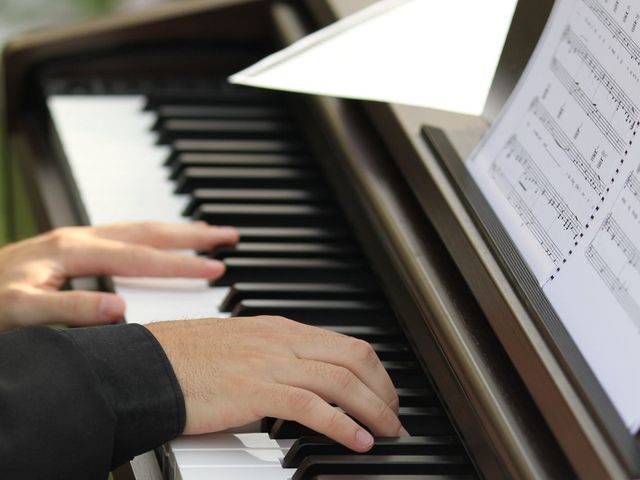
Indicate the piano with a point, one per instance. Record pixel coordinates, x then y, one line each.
349 219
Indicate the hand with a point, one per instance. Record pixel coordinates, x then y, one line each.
237 370
32 271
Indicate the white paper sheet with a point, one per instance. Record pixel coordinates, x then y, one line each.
432 53
561 168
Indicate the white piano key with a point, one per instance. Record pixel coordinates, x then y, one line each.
114 159
234 473
119 172
149 301
259 457
229 441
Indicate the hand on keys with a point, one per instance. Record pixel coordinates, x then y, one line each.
33 271
237 370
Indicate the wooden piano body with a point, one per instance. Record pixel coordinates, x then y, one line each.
511 399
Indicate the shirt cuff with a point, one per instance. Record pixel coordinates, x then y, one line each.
138 381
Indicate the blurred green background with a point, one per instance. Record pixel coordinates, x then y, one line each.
23 15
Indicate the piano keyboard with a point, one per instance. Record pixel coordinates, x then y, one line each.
231 156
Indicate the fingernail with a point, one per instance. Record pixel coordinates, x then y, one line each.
228 230
364 438
213 264
111 307
403 433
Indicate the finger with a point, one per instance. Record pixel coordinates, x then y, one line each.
196 236
307 408
356 356
340 386
97 256
72 308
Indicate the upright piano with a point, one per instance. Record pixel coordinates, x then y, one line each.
349 218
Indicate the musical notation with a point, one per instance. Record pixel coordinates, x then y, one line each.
533 196
618 287
572 152
578 126
613 253
561 169
622 37
604 90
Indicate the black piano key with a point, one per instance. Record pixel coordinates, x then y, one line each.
368 333
320 445
211 97
255 195
174 111
270 215
287 429
419 421
213 177
393 351
285 250
234 146
323 312
176 129
417 397
426 421
294 270
406 374
380 464
245 160
308 291
295 234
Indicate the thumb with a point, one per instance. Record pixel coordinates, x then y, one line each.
75 308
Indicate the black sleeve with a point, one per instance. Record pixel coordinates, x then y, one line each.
76 403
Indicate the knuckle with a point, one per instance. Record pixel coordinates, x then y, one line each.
384 414
154 230
279 320
394 403
138 252
334 420
61 239
363 351
342 377
300 400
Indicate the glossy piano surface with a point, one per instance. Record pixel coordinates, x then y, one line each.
319 185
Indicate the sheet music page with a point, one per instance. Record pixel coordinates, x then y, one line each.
414 52
561 168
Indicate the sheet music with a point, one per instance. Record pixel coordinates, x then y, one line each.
414 52
561 168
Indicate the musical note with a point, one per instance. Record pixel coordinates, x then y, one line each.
616 30
565 143
620 100
613 253
561 169
535 199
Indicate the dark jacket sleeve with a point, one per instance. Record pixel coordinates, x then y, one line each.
76 403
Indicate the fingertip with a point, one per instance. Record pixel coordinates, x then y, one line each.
364 440
227 234
111 308
215 268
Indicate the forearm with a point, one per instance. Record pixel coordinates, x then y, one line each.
76 403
